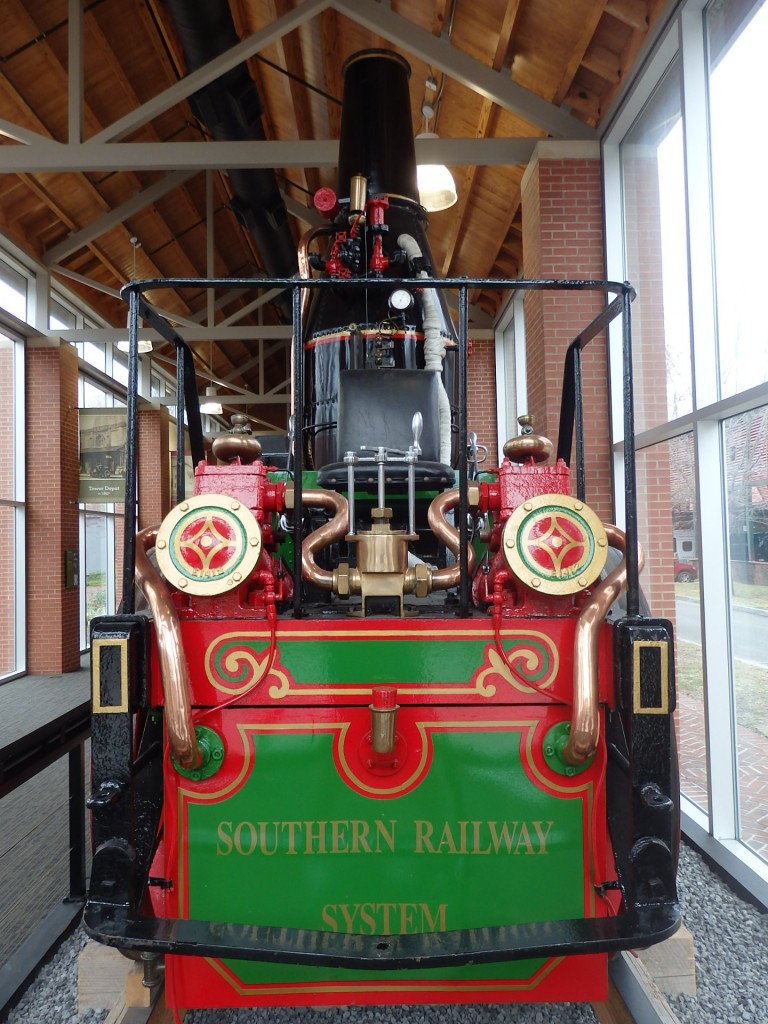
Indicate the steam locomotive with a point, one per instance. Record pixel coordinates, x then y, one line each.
381 727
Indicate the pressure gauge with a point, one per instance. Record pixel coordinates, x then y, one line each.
400 300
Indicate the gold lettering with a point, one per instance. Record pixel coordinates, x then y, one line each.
225 838
263 838
349 921
476 839
496 839
424 831
433 924
291 826
251 829
383 918
339 836
407 911
328 911
543 836
446 839
366 918
311 836
525 839
386 907
360 830
387 836
463 837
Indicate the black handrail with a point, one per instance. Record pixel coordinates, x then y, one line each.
20 761
571 408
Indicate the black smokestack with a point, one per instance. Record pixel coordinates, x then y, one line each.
376 129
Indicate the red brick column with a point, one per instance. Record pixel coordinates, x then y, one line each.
481 397
563 238
53 610
154 483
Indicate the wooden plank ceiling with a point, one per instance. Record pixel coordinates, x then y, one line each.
96 221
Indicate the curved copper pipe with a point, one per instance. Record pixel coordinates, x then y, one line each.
173 667
305 271
443 579
332 531
585 718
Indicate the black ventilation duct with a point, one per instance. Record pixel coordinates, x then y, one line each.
230 111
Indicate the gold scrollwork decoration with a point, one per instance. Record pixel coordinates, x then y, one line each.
233 665
530 663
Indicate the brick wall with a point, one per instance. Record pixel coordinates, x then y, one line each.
153 468
53 610
481 397
563 237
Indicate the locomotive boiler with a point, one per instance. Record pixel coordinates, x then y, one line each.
382 727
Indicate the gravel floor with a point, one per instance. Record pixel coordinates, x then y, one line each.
731 940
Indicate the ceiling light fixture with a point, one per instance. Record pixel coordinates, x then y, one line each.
211 406
437 189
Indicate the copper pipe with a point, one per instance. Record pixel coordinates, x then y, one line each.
305 271
173 666
443 579
585 718
332 531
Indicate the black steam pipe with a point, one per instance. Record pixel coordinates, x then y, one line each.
230 110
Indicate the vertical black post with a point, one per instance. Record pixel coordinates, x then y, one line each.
630 477
581 481
77 822
298 444
132 433
463 508
180 402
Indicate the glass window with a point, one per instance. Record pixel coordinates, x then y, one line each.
12 523
95 354
666 491
745 440
61 317
740 208
667 521
13 290
120 366
7 588
653 181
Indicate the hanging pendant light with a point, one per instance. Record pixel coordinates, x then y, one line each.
437 189
211 406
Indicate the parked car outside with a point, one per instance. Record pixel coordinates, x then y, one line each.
685 572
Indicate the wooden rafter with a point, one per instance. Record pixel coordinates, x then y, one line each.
591 18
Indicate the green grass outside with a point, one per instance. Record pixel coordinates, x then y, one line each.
751 683
749 595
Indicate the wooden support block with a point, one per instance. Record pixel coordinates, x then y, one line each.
614 1009
101 974
672 964
136 993
162 1015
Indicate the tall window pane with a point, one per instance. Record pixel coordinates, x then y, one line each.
740 207
7 590
11 507
656 257
745 439
13 291
670 582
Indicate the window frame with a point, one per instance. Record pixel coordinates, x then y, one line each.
716 831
